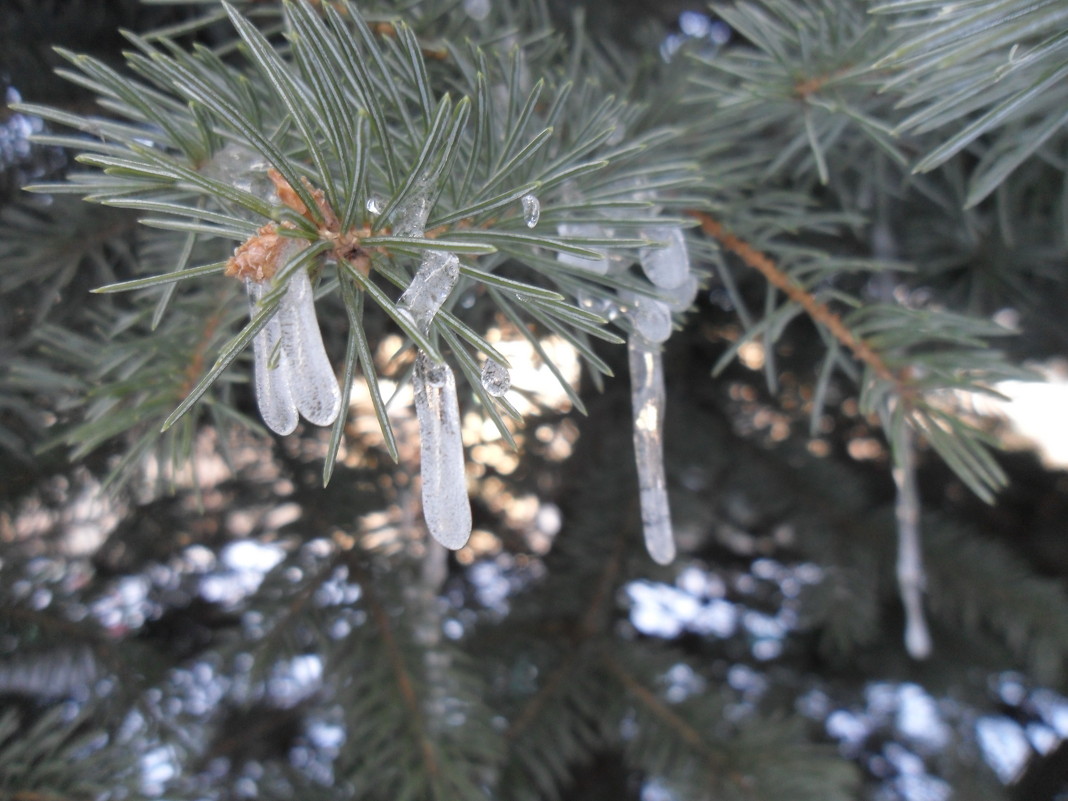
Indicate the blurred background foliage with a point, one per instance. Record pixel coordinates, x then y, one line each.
224 627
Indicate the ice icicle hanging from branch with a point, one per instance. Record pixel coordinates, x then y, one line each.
910 573
666 265
291 370
274 396
446 507
647 398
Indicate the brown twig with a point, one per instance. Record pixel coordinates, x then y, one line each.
817 310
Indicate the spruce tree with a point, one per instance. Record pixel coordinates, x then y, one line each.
527 400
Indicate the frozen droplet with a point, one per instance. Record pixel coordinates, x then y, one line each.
651 318
647 399
598 265
496 379
375 203
477 10
531 210
430 286
668 265
446 507
274 398
313 383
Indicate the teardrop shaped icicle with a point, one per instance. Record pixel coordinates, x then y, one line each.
446 507
274 396
496 379
647 398
651 318
531 210
314 385
666 266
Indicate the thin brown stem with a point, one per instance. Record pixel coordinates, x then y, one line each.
817 310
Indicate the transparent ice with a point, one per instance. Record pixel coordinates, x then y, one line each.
411 217
375 204
651 317
430 286
446 507
531 210
910 574
647 399
666 266
477 10
302 380
496 379
598 265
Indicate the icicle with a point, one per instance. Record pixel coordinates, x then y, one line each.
477 10
682 296
647 398
666 266
411 217
290 368
496 379
910 574
430 286
274 396
312 381
651 317
531 210
446 507
598 265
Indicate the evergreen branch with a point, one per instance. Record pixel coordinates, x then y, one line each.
816 310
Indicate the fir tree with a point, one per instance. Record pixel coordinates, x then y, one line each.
619 383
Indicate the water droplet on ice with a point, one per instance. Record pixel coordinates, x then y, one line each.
531 210
496 379
375 204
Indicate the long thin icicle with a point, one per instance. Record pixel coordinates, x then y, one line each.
446 507
313 383
910 573
647 397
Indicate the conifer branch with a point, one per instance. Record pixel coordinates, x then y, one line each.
817 310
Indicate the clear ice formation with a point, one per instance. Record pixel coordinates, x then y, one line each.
531 210
430 286
599 265
910 574
300 379
477 10
666 266
446 507
650 317
647 398
412 216
496 379
375 204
